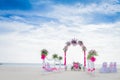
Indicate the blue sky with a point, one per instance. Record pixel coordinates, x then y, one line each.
27 26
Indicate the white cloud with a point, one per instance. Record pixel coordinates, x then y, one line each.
27 46
15 26
82 14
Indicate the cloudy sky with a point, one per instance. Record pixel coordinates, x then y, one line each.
27 26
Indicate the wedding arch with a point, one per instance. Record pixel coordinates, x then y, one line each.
75 42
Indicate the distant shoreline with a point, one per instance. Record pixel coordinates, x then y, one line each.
40 64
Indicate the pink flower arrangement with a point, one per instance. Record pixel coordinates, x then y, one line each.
43 56
93 59
44 53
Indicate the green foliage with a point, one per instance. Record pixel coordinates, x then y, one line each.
60 57
54 56
91 53
44 51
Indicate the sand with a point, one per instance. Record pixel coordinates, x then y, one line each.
35 73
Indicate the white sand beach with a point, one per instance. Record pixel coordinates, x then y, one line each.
34 73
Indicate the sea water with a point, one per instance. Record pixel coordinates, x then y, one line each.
40 65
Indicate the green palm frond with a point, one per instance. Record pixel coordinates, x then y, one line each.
54 56
60 57
92 53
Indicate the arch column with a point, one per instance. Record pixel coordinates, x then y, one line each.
84 58
65 58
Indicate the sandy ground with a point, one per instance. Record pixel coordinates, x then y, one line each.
35 73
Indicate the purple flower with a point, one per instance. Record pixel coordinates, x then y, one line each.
68 43
74 42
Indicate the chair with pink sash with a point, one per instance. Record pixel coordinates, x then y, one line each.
47 67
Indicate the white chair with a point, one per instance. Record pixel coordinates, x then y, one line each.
104 68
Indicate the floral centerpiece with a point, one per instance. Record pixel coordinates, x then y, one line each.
91 55
44 53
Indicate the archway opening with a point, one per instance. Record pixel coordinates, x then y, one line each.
74 54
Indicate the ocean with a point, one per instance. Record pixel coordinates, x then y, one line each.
40 65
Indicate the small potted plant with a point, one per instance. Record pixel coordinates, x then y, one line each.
55 57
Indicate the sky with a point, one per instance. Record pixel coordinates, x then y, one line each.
28 26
